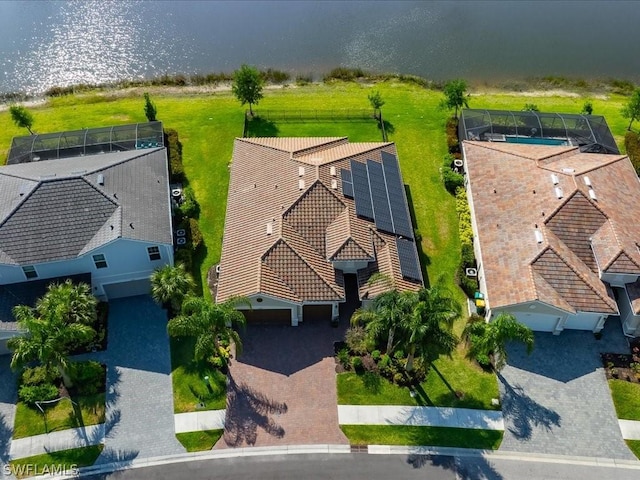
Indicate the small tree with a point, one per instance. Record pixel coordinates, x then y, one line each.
21 117
632 109
587 108
456 96
170 285
487 341
530 107
376 101
247 86
150 109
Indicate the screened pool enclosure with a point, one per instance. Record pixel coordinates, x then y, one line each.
590 132
90 141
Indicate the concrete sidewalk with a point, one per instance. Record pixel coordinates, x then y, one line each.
420 416
56 441
199 421
630 429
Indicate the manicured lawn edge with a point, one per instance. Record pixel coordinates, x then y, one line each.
626 399
199 441
62 462
29 421
634 446
422 436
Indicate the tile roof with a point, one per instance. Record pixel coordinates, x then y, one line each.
286 223
633 290
585 229
56 209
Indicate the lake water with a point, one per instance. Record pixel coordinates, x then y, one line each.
65 42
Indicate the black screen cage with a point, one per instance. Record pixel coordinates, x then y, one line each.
90 141
589 132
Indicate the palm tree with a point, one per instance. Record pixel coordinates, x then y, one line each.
427 330
170 285
71 303
46 339
385 314
488 340
209 323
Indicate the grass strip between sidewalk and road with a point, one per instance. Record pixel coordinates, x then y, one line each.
56 463
626 399
422 436
634 446
199 441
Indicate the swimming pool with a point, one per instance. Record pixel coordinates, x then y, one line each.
536 140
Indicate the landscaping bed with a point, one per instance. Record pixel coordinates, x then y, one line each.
623 366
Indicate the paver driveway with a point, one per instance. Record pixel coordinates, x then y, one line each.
282 388
557 400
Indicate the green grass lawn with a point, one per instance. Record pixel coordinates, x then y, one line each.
199 441
61 416
626 398
189 385
439 389
424 436
56 462
634 446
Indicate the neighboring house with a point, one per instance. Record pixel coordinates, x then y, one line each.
556 231
309 220
71 211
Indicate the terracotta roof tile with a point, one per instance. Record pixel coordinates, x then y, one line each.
623 264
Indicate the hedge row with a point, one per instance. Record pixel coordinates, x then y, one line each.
468 284
174 151
632 144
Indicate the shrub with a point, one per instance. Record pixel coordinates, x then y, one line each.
385 360
196 234
469 285
218 362
88 377
452 180
376 355
174 151
632 145
356 363
344 358
302 80
37 376
356 339
30 394
398 378
185 257
345 74
452 135
189 207
271 75
398 355
468 256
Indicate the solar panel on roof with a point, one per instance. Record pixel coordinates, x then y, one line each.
409 262
362 194
347 183
397 199
379 197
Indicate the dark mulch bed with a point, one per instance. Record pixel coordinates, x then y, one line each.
623 366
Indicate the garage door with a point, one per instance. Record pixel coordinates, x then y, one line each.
582 322
127 289
538 322
315 313
274 316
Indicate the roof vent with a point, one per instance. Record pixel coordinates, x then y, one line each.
332 170
301 184
269 228
538 235
24 188
555 179
587 181
100 179
300 171
568 170
559 193
592 194
334 183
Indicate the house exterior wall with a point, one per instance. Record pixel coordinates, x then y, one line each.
126 260
630 322
264 302
541 317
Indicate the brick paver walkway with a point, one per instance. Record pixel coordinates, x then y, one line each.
557 400
282 388
140 420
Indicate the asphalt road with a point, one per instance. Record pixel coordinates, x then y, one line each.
361 466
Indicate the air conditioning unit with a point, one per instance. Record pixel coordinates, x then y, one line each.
181 232
176 192
471 272
181 241
458 163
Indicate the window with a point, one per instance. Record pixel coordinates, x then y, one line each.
30 272
100 261
154 253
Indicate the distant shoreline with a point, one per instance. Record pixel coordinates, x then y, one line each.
274 79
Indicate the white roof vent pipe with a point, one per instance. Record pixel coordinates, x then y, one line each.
587 181
592 194
300 171
100 179
269 228
555 179
538 234
559 192
301 184
332 170
334 184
